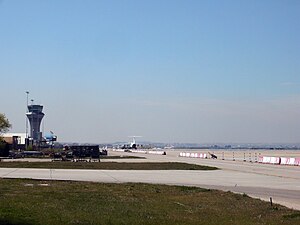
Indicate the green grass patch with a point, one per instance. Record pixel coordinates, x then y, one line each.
34 202
107 165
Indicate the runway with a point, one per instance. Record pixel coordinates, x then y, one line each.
282 183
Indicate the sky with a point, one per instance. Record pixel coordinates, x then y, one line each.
197 71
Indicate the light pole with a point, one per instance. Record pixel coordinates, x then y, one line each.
32 129
26 131
27 93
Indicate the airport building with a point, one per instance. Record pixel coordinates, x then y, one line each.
15 140
35 115
34 136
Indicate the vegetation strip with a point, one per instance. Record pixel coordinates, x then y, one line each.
106 165
63 202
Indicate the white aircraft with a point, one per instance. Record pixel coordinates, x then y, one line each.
131 145
169 147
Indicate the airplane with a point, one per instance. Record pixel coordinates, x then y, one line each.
169 147
50 138
131 145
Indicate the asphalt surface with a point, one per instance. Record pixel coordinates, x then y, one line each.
282 183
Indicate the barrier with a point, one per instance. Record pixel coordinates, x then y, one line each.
275 160
203 156
260 159
297 162
138 151
279 160
287 161
149 152
271 160
120 150
193 155
157 152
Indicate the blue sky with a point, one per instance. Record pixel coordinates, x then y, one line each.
172 71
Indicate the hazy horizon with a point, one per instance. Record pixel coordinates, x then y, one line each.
170 71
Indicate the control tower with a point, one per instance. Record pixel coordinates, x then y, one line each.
35 116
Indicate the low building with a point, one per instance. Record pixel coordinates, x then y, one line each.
15 140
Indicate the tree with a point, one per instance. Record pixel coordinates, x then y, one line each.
4 126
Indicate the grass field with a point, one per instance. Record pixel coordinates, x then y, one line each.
106 165
33 202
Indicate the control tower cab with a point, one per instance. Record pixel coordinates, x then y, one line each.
35 116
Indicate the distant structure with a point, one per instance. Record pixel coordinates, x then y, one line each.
15 140
35 116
